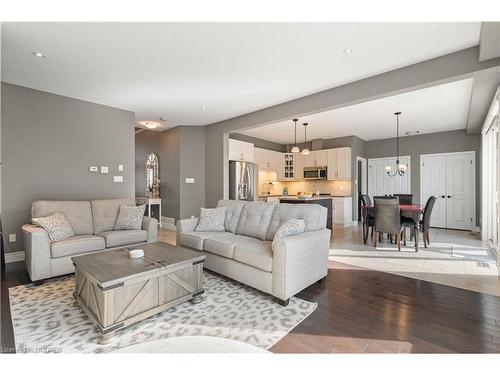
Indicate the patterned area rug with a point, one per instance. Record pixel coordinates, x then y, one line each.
45 320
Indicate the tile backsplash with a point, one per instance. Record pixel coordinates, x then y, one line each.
338 188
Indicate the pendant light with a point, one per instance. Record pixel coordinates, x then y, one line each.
400 168
305 151
295 149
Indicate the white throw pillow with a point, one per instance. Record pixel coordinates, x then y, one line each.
56 225
212 219
130 217
289 228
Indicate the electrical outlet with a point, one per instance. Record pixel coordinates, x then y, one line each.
93 168
104 169
189 180
117 178
12 237
120 167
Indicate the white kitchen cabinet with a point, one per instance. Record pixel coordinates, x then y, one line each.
288 167
239 150
316 158
339 163
342 210
299 166
267 160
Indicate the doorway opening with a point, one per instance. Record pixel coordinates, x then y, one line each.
361 183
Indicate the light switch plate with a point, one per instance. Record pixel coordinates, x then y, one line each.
120 167
92 168
117 178
189 180
104 169
12 237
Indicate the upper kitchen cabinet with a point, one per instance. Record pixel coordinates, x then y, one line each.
242 151
316 159
267 160
339 163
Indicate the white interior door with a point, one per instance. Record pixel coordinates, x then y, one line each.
450 178
459 197
433 183
379 183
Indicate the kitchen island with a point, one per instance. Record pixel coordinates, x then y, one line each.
325 201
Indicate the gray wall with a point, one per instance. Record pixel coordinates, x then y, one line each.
452 141
181 152
48 143
260 143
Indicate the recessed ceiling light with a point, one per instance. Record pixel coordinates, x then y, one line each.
38 54
347 51
150 124
203 107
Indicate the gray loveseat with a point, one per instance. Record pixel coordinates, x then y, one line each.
92 222
244 252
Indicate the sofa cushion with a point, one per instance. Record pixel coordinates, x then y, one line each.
290 227
78 213
124 237
195 239
57 226
313 214
255 218
222 245
77 245
105 213
255 253
233 213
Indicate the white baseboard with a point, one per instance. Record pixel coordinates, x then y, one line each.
168 223
14 257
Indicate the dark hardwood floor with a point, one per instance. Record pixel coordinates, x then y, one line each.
361 311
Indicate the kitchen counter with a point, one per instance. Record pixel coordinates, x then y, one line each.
297 197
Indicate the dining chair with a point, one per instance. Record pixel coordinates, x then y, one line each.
388 219
425 223
370 219
386 196
405 198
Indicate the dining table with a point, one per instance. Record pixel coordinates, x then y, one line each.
412 211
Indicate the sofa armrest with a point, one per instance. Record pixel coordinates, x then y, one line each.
299 261
37 252
186 225
150 225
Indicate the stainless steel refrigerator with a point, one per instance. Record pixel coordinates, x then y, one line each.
242 181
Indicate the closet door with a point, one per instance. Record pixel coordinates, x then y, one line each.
459 191
433 183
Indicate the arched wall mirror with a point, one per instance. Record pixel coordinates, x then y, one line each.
153 176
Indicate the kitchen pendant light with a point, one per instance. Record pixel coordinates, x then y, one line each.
295 149
400 168
305 151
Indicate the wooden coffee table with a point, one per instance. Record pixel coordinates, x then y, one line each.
116 291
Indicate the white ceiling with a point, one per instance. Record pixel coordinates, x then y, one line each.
435 109
171 70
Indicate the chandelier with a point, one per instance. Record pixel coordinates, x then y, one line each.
400 168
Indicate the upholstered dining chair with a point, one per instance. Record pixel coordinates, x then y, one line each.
424 224
370 219
388 219
386 196
405 198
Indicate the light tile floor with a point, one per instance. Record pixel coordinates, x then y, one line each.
454 258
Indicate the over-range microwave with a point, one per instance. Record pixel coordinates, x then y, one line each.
315 173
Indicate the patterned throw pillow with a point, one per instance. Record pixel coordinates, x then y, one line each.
289 228
130 217
212 219
56 225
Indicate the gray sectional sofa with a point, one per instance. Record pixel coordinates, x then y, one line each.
92 222
245 251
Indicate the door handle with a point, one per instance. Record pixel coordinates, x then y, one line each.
449 196
443 196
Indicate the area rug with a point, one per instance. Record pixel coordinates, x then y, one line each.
45 320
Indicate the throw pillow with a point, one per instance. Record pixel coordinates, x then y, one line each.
212 219
130 217
289 228
56 225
